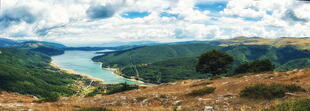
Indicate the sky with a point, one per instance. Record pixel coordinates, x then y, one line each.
74 22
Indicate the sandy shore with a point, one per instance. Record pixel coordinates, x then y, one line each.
118 73
72 72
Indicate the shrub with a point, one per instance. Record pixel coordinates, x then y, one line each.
263 91
297 105
95 109
120 88
203 91
94 92
214 62
256 66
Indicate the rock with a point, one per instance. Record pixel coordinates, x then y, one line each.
225 83
208 108
227 95
206 99
145 101
123 97
290 94
179 102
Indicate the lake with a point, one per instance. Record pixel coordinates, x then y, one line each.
80 62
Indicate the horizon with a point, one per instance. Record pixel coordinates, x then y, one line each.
84 23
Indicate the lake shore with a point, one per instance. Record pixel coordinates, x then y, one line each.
117 72
53 64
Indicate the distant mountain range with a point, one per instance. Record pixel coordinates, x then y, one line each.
7 42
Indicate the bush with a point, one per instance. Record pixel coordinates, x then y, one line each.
95 109
94 92
256 66
297 105
120 88
214 62
263 91
203 91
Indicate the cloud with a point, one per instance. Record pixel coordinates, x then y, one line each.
101 12
75 21
16 15
291 16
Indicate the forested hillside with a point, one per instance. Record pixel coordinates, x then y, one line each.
171 62
29 72
150 54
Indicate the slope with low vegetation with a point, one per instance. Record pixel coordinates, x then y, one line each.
220 95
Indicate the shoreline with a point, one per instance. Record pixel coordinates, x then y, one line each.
53 64
117 73
114 71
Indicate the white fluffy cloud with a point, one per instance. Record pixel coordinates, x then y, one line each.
75 21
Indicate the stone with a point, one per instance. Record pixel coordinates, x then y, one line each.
290 94
208 108
179 102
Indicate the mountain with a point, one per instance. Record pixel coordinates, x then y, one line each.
171 62
29 72
36 44
7 42
301 43
48 48
149 54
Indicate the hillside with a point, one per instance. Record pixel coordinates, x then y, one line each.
7 42
301 43
29 72
48 48
167 97
149 54
171 62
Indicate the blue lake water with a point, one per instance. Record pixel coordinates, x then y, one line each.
80 62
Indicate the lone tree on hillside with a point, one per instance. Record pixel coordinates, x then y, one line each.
214 62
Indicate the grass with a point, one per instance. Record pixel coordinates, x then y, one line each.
202 84
268 92
95 109
203 91
297 105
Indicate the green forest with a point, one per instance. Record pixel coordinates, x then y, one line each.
167 63
28 72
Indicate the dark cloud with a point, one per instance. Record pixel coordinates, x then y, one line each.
100 11
15 16
293 18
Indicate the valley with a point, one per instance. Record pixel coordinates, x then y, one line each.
86 77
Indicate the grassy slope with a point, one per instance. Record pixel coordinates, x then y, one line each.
167 97
29 72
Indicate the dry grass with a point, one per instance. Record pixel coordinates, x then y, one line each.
302 43
167 97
